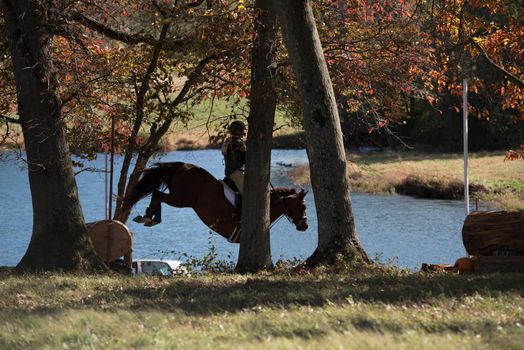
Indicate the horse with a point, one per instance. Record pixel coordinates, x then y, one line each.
191 186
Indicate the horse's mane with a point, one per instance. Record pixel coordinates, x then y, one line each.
172 165
282 191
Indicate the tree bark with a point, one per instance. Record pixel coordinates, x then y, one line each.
255 250
59 239
337 236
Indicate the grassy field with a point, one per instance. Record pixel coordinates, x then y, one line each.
211 117
345 309
208 119
392 172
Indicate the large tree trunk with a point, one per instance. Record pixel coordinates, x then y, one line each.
59 239
255 251
329 176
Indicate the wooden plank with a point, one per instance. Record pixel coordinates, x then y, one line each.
484 233
490 264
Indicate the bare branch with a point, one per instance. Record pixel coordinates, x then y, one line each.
128 38
101 28
90 169
193 77
190 82
9 119
81 88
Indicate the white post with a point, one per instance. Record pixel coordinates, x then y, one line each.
465 128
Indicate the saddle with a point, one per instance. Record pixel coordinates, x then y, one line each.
231 193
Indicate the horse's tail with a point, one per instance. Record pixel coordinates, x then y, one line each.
152 179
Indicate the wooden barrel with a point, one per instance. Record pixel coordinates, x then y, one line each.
111 239
494 233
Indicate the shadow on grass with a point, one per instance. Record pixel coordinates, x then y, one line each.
200 297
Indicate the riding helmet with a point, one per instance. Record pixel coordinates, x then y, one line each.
237 127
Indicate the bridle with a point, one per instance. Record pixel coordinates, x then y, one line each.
301 222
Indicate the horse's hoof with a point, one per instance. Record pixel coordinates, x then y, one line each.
140 219
151 223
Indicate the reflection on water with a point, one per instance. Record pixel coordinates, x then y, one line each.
401 229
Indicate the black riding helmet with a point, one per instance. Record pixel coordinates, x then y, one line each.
237 127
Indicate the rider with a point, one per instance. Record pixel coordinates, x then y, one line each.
234 152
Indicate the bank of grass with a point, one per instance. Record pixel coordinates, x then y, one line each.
210 118
492 179
365 309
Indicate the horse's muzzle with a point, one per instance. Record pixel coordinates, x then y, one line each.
302 226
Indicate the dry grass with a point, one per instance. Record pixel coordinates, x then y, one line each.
393 172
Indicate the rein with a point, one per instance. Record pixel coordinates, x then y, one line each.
278 199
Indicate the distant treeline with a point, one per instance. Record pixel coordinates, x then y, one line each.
439 127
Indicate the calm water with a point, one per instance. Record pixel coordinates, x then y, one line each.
400 229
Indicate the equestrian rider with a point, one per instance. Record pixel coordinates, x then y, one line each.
234 152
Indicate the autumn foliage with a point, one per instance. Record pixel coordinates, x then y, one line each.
386 59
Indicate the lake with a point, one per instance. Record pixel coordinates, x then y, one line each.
398 229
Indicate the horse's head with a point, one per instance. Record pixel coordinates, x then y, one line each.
297 211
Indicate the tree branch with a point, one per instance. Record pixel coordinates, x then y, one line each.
9 119
510 76
131 39
190 82
128 38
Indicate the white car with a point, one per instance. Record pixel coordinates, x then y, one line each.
158 267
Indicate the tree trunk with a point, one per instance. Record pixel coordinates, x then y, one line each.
337 236
59 239
255 250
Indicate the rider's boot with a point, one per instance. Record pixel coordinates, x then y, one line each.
238 204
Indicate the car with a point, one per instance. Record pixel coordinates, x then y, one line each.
158 267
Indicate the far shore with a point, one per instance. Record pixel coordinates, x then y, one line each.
426 175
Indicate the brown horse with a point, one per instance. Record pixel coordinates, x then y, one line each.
193 187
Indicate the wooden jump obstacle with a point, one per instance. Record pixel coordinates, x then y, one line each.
495 239
111 240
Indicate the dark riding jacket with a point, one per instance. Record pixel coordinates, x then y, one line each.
234 151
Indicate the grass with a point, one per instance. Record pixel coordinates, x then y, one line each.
348 309
496 181
210 118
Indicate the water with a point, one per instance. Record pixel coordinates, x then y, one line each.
398 229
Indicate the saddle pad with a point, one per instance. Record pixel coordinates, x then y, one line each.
229 193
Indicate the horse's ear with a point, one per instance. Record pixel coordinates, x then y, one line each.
302 193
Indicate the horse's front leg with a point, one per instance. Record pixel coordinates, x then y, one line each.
153 215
